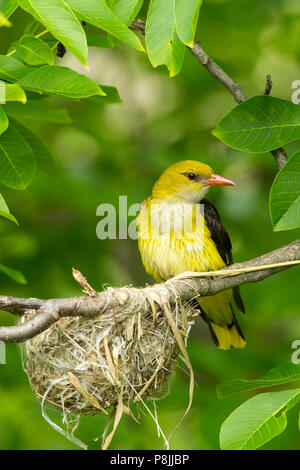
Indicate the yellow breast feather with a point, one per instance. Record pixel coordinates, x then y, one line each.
168 248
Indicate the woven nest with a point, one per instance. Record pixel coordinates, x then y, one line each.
124 355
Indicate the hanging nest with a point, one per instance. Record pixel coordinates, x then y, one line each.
124 355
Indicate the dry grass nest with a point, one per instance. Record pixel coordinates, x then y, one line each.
103 364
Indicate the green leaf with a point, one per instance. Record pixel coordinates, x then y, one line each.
260 124
162 42
283 374
13 274
61 81
17 161
37 110
61 22
11 69
4 210
11 92
4 21
97 13
257 420
112 96
186 20
44 158
285 196
3 120
34 51
126 10
7 7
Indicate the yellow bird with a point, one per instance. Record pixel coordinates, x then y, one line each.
179 230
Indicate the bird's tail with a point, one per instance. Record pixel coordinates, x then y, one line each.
227 336
223 326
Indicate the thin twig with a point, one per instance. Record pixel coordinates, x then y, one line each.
86 288
217 72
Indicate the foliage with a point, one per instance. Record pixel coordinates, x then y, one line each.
32 67
263 417
53 109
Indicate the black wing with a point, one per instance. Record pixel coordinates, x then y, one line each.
222 241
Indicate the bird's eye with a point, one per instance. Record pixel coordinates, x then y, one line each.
191 176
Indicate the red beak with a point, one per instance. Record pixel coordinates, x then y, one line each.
217 180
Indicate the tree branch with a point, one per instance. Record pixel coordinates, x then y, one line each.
217 72
185 288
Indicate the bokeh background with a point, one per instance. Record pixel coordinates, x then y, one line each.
121 149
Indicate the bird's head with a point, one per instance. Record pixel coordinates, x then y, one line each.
187 181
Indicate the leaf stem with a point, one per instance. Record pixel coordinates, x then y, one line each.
55 45
11 53
41 34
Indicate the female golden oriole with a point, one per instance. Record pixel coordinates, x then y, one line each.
179 230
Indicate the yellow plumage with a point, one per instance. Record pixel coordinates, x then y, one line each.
174 237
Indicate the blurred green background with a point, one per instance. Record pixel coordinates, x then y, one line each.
121 149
